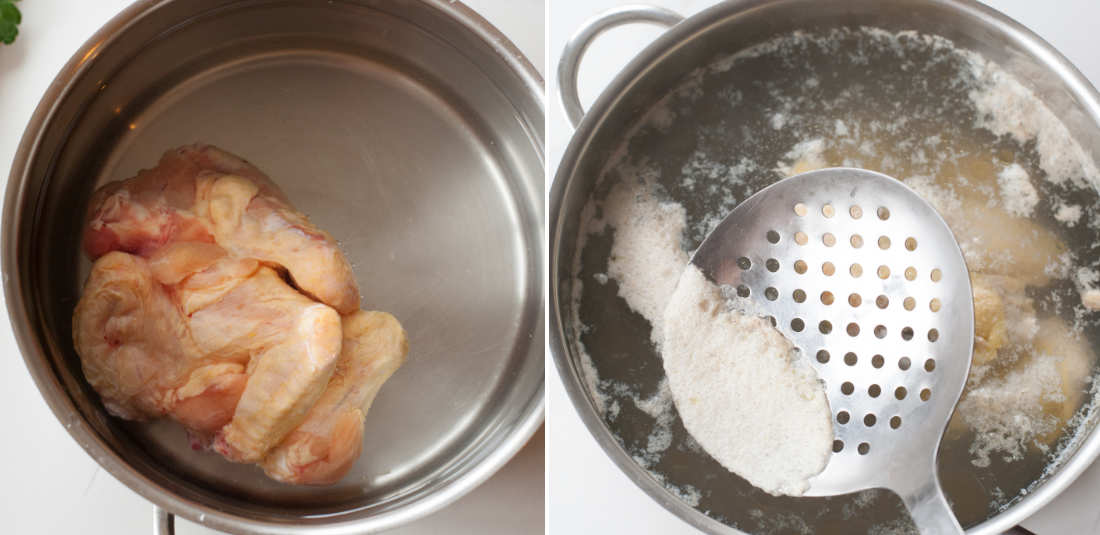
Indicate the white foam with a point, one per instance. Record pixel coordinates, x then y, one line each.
743 391
1017 193
1067 214
1006 107
646 257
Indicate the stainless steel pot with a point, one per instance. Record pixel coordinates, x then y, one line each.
412 131
686 46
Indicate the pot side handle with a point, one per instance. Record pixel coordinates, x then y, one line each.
164 523
578 44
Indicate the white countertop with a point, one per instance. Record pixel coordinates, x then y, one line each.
49 484
588 493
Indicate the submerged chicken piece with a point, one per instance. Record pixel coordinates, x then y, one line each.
200 193
214 302
207 401
1074 363
322 449
290 342
989 321
229 348
134 344
138 352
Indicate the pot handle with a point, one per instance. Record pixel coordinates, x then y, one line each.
164 523
578 44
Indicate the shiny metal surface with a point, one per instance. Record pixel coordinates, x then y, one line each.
164 523
412 131
722 30
867 281
578 44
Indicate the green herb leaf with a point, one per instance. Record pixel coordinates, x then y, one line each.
10 17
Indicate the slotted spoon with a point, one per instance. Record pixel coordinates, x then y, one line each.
866 279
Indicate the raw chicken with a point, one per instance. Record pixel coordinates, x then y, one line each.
323 448
230 349
204 194
213 302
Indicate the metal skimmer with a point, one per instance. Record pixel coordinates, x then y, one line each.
865 278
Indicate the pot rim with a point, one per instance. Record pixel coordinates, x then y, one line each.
1087 450
57 397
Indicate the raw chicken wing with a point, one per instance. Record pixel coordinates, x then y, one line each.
323 448
204 194
212 301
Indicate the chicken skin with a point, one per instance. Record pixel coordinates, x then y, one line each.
230 350
204 194
213 302
321 450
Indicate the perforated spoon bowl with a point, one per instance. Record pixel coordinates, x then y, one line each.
867 280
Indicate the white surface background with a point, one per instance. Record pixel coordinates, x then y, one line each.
588 493
47 483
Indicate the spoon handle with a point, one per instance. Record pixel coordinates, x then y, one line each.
929 508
